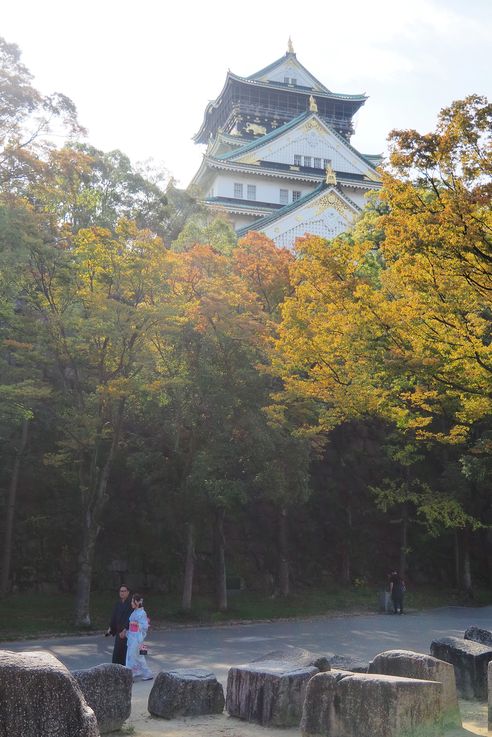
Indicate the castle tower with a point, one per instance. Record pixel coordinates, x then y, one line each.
272 137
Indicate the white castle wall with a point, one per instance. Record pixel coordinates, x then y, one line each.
313 140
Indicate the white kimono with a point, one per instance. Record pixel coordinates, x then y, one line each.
137 632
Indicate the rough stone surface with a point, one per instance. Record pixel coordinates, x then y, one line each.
185 692
408 664
298 657
477 634
107 688
341 662
470 660
365 705
39 696
489 682
271 689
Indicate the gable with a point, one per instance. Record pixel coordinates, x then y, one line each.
309 138
289 71
328 214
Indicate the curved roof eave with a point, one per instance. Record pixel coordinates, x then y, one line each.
221 165
268 219
361 98
257 142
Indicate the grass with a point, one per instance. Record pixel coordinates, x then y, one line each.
34 615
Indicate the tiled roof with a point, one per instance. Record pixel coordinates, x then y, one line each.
251 145
268 219
254 204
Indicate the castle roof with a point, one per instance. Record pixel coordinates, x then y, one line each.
306 85
262 222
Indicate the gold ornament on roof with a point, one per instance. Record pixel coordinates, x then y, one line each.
331 201
331 177
290 47
312 104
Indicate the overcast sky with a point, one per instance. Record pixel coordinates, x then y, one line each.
142 73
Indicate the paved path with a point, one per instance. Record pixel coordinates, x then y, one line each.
220 647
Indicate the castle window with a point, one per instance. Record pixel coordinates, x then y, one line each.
284 197
251 191
327 162
307 161
296 195
238 191
297 160
317 163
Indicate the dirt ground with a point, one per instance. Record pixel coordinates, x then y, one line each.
141 724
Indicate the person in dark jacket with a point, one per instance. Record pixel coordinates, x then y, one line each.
119 624
397 589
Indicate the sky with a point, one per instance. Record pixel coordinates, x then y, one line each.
142 73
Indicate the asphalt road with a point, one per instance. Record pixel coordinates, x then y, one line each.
218 648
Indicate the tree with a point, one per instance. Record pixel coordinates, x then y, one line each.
27 118
403 331
200 229
95 300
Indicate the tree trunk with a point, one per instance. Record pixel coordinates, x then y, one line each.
284 573
467 577
95 500
346 549
488 552
189 569
220 566
404 542
84 573
9 518
457 559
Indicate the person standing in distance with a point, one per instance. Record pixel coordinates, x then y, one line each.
137 632
397 589
118 625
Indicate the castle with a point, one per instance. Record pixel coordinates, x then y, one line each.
279 158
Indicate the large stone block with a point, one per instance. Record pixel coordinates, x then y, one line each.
107 688
186 692
341 704
271 689
489 689
477 634
298 657
470 660
343 662
39 696
407 664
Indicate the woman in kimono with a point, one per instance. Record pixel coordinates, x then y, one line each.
137 632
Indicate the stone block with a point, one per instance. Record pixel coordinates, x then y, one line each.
185 692
271 689
470 660
39 696
477 634
489 689
342 662
408 664
107 688
298 657
345 704
385 603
